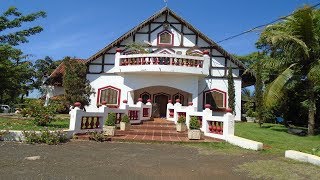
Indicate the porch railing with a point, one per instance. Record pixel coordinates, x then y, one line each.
82 122
161 59
216 126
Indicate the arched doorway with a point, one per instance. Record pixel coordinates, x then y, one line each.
161 101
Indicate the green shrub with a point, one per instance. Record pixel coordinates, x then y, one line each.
182 119
43 115
51 138
194 123
125 119
111 119
97 136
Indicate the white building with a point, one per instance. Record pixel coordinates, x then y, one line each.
178 62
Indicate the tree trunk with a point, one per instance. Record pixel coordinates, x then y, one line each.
311 114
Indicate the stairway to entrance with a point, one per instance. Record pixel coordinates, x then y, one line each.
159 129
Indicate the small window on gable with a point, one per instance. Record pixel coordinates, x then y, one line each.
109 94
165 38
216 98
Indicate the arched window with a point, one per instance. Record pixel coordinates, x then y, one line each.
109 94
165 38
216 98
178 96
145 96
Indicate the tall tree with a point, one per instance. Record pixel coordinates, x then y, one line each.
16 72
231 91
12 18
43 68
76 86
295 46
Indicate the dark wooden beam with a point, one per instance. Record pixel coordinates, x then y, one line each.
210 61
225 65
182 29
102 67
134 38
196 43
141 32
189 34
155 28
149 32
165 22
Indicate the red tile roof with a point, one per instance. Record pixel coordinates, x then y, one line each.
60 69
59 72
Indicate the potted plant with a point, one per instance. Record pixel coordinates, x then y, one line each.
125 123
194 129
181 124
110 124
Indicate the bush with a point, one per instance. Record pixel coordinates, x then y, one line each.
97 136
194 123
51 138
43 115
182 119
125 119
111 119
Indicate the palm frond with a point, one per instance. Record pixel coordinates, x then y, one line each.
314 73
274 91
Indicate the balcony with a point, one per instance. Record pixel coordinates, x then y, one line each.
162 63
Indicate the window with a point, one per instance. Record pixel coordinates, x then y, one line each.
216 98
109 94
178 96
145 96
165 38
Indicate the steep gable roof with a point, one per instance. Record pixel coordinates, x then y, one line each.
152 18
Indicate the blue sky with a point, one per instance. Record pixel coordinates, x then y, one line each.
79 28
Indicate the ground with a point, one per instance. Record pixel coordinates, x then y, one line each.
111 160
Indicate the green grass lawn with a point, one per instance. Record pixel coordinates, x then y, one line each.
275 137
18 123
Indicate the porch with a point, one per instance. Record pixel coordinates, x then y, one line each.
158 130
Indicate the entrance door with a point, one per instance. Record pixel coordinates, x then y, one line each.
162 101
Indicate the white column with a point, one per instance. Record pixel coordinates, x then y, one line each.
75 118
228 124
207 113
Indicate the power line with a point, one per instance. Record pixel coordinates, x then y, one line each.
260 26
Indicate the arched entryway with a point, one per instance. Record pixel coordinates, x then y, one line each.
160 95
161 101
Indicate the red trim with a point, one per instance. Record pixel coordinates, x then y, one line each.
110 87
217 90
165 44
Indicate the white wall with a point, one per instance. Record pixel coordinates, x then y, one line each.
127 83
221 84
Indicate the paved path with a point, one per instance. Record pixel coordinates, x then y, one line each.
110 160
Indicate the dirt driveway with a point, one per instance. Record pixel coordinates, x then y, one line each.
92 160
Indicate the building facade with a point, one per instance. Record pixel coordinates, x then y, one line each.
163 58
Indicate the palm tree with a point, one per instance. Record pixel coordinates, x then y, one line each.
294 44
